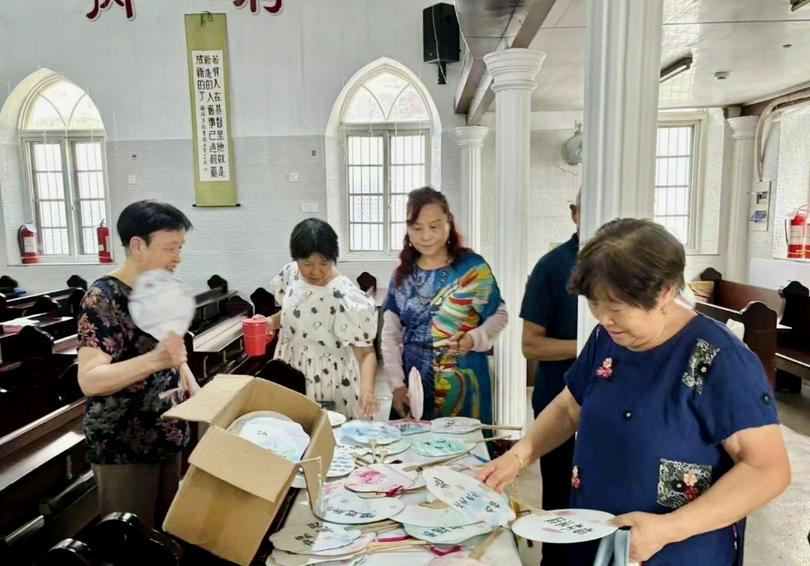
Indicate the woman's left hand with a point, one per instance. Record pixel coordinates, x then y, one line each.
649 533
368 404
461 343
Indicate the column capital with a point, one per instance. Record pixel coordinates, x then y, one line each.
742 127
471 136
514 68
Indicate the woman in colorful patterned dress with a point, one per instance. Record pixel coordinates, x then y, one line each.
442 314
676 425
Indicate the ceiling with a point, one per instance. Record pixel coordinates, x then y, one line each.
743 37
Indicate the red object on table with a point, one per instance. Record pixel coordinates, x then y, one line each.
256 335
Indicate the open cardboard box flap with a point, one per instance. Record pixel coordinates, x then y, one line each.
212 400
227 397
234 488
243 464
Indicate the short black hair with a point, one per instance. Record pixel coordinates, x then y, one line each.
314 236
630 260
145 217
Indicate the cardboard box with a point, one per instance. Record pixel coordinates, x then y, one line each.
233 488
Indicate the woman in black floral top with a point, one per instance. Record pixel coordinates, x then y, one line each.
129 378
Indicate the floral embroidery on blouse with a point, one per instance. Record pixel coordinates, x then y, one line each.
699 364
576 480
681 482
605 371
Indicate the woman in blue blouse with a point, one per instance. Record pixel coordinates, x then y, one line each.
677 429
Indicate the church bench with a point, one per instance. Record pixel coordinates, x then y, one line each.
755 307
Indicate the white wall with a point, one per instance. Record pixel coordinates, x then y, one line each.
787 164
714 195
286 72
554 184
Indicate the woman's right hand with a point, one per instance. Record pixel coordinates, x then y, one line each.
401 403
171 352
368 404
500 472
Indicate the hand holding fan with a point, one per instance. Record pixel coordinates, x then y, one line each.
416 393
162 305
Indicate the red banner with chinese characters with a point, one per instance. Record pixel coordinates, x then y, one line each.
256 7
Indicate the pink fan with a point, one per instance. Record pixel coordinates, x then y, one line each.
416 395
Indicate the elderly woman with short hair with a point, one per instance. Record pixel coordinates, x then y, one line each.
677 428
327 324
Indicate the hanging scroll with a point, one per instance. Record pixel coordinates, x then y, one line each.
207 46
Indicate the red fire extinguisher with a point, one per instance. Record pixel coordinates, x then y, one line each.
27 238
796 233
104 249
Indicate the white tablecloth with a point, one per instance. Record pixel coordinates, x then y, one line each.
502 552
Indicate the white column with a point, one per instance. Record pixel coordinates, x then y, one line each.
742 180
622 66
513 72
471 139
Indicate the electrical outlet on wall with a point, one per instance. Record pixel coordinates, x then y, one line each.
305 207
131 179
292 177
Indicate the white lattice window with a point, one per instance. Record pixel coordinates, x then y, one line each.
675 175
62 137
386 127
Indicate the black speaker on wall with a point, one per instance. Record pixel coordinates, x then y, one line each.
440 36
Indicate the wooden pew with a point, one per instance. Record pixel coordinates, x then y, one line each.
45 482
755 307
46 485
214 341
31 377
65 302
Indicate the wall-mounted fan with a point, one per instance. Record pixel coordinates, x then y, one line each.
572 148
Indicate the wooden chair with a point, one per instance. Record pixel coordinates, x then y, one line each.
793 342
217 282
78 282
10 288
118 539
367 283
264 302
70 552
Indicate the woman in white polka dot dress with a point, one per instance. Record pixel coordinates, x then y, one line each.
327 324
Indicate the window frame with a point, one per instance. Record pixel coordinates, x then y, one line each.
385 130
67 140
697 120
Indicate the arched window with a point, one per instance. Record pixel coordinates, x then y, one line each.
62 137
386 121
